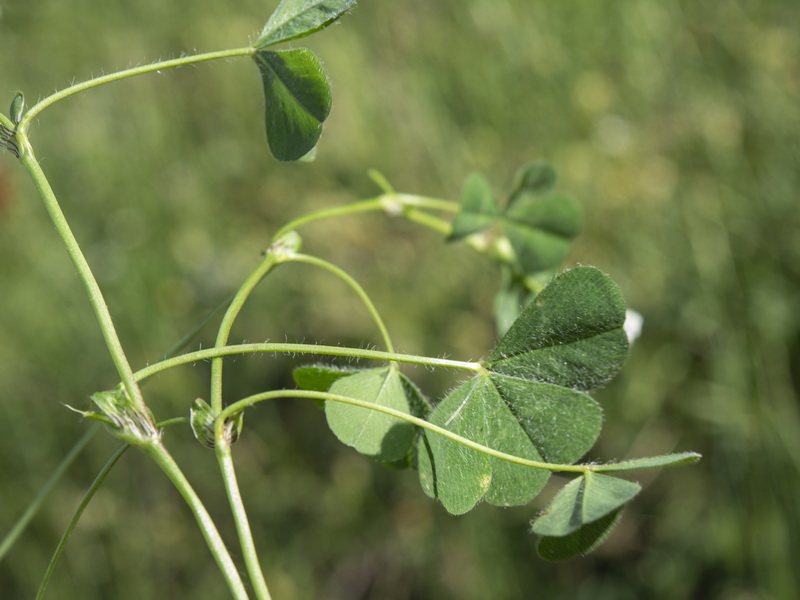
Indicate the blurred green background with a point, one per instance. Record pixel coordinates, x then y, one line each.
675 124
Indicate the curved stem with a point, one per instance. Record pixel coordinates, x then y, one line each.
393 204
223 558
270 260
221 444
360 353
249 401
28 159
355 286
110 78
98 481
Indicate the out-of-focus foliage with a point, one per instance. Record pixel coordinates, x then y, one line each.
674 123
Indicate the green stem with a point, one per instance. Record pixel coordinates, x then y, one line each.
98 481
223 452
270 261
249 401
223 558
110 78
37 502
358 353
392 204
355 286
28 159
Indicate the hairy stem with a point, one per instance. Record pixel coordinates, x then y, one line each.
355 286
225 459
112 77
221 555
272 395
224 331
28 159
357 353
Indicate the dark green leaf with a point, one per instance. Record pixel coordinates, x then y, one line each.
651 462
372 433
538 177
478 208
583 501
298 100
570 335
580 542
540 229
294 19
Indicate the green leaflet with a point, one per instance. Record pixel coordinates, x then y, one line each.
372 433
538 177
581 542
582 515
650 462
294 19
297 100
540 229
478 208
582 501
570 335
540 225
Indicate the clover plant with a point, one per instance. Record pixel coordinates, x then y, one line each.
520 415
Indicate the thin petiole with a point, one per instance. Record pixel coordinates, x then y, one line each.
356 353
112 77
354 285
239 406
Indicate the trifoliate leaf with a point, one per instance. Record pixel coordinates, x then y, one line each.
478 208
298 100
372 433
294 19
531 403
571 335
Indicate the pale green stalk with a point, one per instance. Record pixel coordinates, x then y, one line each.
102 313
224 332
357 353
223 451
392 204
221 444
159 454
112 77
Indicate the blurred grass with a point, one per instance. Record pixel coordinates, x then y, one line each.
676 125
